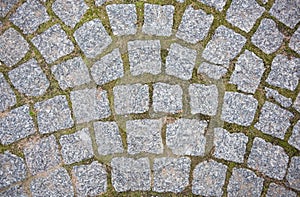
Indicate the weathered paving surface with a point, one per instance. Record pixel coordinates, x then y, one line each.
149 98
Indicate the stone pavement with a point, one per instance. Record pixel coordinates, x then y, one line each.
149 98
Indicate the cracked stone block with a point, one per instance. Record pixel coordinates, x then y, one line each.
244 182
247 72
132 98
108 138
17 190
171 174
243 14
224 46
53 43
294 140
274 120
76 147
29 79
92 38
296 104
7 95
209 178
70 11
90 180
180 61
186 137
144 57
122 18
57 183
12 169
217 4
203 99
279 191
6 6
194 25
212 71
29 16
229 146
15 125
41 155
130 174
158 20
295 41
167 98
267 37
108 68
239 108
144 136
293 175
268 159
282 100
13 47
99 2
284 72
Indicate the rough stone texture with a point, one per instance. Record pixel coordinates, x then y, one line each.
53 114
92 38
294 140
144 136
6 5
282 100
296 104
122 18
29 79
15 125
267 37
167 98
212 71
274 120
108 138
29 16
158 20
12 169
217 4
229 146
8 97
90 180
209 178
180 61
131 98
108 68
186 137
293 176
203 99
279 191
243 14
284 72
99 2
295 41
55 184
70 11
269 159
130 174
90 104
224 46
239 108
247 72
144 57
14 191
76 147
194 25
53 43
244 182
13 47
171 174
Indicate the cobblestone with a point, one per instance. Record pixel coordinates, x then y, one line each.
217 4
8 97
295 41
296 104
282 100
279 191
17 190
293 175
294 140
6 6
212 71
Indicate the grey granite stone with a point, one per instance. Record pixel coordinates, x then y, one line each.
130 174
8 97
53 43
294 140
53 114
171 174
90 180
212 71
180 61
203 99
279 191
186 137
108 138
17 190
99 2
6 6
144 136
274 120
293 175
282 100
144 57
268 159
267 37
194 25
296 104
295 41
158 20
13 47
15 125
217 4
92 38
29 79
29 16
209 178
239 108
